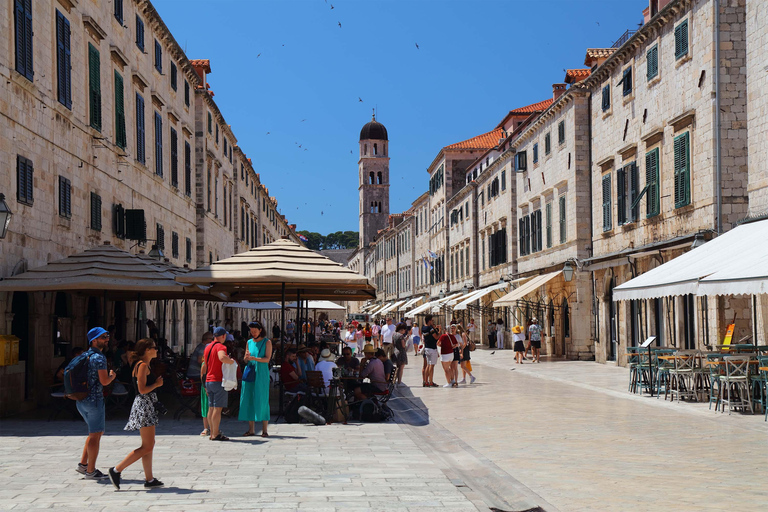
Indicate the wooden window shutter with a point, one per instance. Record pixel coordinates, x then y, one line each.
561 132
521 236
627 82
652 182
174 82
548 220
158 145
65 197
652 62
606 98
160 236
141 153
94 86
539 245
607 202
63 61
158 56
24 47
139 33
681 39
119 112
174 159
634 189
563 225
119 221
25 178
682 170
187 169
621 195
95 211
175 244
189 251
186 93
547 143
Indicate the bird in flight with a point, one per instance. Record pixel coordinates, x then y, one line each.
339 24
321 213
359 99
350 152
303 120
331 6
598 24
417 46
259 55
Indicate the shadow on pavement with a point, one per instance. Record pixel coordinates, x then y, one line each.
408 409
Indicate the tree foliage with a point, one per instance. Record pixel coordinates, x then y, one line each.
337 240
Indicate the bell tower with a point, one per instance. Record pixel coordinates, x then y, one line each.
374 180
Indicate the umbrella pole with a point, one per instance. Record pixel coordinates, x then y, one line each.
282 345
299 327
165 315
138 313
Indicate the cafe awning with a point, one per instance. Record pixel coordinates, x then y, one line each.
531 286
316 304
479 294
734 263
411 302
392 306
253 305
379 309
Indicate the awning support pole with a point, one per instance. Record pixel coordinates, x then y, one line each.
282 344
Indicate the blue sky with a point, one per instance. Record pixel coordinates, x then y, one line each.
287 68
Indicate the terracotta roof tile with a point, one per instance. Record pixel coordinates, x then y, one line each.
598 53
573 76
533 107
485 141
203 63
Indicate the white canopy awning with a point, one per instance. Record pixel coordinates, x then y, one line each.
531 286
380 309
411 302
316 304
428 306
478 294
735 263
460 298
252 305
392 306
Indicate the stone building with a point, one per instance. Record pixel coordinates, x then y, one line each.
757 104
553 201
656 182
103 139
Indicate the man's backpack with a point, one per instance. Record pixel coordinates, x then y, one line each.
76 376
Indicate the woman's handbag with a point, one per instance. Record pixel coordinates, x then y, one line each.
160 409
249 374
472 345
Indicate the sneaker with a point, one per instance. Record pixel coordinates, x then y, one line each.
446 385
463 381
114 477
472 379
82 468
153 483
96 475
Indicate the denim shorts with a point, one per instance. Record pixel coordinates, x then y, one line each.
217 395
93 414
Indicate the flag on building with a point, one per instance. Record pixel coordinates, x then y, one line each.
303 238
432 255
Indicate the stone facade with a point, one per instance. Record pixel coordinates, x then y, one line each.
79 136
757 111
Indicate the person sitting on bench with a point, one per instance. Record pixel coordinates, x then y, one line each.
374 370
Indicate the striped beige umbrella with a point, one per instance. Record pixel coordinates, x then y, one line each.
260 273
108 272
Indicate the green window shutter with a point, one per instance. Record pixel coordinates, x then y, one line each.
95 211
563 225
210 123
606 98
549 224
652 182
681 39
634 189
621 196
607 203
547 143
23 35
119 111
561 132
141 153
682 170
94 86
652 62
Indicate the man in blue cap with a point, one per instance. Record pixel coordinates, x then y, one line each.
91 408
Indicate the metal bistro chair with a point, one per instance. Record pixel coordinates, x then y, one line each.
716 372
633 358
663 369
682 376
736 382
759 384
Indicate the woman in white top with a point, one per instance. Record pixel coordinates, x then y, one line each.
350 338
471 329
499 334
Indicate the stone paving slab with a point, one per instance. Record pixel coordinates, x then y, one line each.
572 434
363 467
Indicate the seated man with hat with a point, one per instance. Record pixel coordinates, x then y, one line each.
326 365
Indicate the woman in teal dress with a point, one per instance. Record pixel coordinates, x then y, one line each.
254 396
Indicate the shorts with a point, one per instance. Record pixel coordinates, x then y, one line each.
93 413
446 358
430 354
536 344
204 403
217 395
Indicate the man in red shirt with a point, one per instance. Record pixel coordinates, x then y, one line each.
214 356
290 373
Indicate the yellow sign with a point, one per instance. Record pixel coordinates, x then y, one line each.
728 336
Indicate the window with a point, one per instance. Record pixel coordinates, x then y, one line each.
189 250
626 82
174 83
503 184
627 181
139 33
606 98
95 211
186 93
119 112
607 203
94 86
561 132
187 169
497 248
682 170
681 40
23 33
466 259
158 57
158 145
141 153
175 244
65 197
160 237
217 134
210 123
118 213
548 211
63 61
547 143
225 147
535 153
652 183
119 11
652 62
523 235
563 225
521 163
174 159
24 181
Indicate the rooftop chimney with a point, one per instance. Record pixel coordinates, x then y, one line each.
557 91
